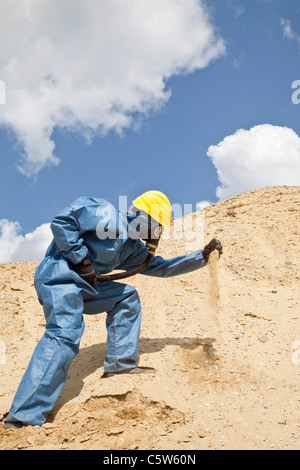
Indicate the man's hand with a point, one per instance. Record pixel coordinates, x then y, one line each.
214 244
85 270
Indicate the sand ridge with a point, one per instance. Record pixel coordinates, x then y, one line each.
226 357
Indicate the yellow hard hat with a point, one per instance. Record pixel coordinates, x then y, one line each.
157 205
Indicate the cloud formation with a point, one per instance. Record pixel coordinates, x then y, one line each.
202 204
263 156
15 247
91 66
288 32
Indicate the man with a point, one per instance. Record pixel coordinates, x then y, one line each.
90 238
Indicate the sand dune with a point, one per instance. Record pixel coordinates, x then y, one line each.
226 354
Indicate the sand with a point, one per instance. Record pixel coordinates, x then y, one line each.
226 356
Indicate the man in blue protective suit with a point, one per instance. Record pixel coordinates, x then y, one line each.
91 238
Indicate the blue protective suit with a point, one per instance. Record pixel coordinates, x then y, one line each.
93 227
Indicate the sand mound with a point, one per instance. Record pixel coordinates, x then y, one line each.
226 357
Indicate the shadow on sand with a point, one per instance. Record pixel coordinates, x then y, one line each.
92 357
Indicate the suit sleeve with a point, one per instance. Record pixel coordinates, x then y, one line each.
176 266
67 233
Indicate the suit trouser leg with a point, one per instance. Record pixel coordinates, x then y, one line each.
123 322
46 373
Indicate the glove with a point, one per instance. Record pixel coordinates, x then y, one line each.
85 270
214 244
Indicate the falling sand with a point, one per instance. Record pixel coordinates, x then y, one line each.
214 289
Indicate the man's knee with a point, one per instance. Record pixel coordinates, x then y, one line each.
67 340
132 297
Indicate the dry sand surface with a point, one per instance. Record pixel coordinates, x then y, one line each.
226 354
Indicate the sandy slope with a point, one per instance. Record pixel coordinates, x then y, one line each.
227 369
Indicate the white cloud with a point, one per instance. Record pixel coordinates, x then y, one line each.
202 204
237 9
263 156
90 66
15 247
288 31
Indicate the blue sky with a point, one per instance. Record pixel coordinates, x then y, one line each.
248 85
